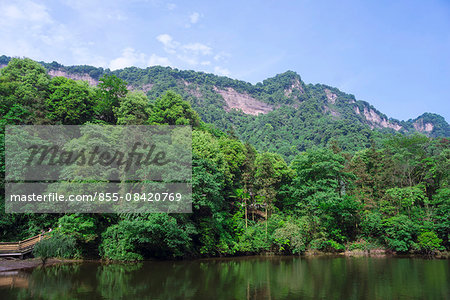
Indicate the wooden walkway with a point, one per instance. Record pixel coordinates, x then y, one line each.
20 248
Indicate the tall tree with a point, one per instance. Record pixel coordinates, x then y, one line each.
171 109
111 90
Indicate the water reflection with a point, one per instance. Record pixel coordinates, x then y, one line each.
237 278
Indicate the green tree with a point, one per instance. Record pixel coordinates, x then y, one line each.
133 109
111 90
24 87
271 173
428 242
70 102
171 109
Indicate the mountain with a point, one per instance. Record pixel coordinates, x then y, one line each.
280 114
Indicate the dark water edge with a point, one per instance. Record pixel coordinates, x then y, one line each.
273 277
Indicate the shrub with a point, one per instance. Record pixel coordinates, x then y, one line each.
253 239
428 242
399 232
157 235
289 239
325 245
57 245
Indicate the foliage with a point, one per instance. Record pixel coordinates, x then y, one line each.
70 102
399 233
290 238
170 109
133 239
325 245
80 226
56 245
428 242
111 90
134 109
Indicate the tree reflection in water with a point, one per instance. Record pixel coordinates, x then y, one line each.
239 278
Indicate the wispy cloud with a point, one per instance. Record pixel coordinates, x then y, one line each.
24 11
187 52
221 71
156 60
221 56
197 48
194 17
168 42
94 11
131 57
28 29
194 54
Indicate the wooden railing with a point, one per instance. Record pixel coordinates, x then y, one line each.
22 247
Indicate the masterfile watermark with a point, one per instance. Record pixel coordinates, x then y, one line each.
48 168
54 155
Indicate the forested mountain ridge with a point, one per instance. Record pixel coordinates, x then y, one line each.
281 114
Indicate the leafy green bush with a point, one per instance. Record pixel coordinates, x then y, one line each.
157 235
253 239
56 245
325 245
399 232
363 245
428 242
290 238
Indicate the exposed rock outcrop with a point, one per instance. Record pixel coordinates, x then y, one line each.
331 96
84 77
296 85
243 101
421 126
376 121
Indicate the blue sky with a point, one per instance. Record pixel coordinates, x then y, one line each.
393 54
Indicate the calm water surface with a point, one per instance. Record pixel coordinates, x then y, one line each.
237 278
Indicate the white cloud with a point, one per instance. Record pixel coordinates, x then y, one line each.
28 29
168 42
221 71
156 60
194 17
198 48
131 57
24 11
192 55
221 56
189 59
97 11
165 39
187 53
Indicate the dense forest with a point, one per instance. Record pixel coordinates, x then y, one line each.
287 182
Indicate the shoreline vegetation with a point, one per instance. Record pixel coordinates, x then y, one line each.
390 192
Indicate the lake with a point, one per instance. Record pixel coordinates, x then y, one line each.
321 277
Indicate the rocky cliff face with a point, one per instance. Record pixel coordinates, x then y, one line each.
243 101
375 120
84 77
296 85
421 126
